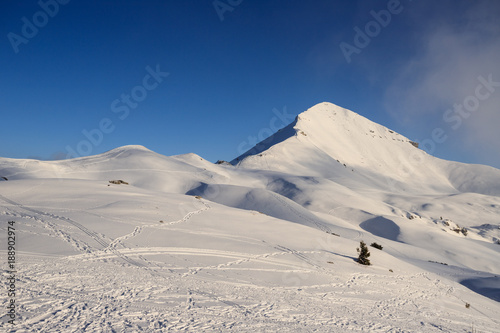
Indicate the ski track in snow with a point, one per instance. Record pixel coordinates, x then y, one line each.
76 243
166 298
172 302
74 294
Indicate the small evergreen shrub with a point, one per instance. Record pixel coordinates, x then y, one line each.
377 246
364 253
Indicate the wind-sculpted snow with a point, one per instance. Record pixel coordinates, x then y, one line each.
266 244
262 201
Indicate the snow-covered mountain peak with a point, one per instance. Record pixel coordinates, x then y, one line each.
326 137
329 125
326 109
339 132
332 142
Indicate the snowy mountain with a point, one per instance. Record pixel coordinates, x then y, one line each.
328 141
267 243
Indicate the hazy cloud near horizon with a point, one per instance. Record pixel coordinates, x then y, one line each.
451 53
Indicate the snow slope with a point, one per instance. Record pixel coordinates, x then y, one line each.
266 244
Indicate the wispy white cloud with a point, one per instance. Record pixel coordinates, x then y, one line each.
456 45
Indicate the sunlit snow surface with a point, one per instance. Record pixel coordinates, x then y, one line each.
189 245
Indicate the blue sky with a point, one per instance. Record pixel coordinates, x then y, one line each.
100 68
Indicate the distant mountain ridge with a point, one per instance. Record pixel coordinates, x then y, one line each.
325 141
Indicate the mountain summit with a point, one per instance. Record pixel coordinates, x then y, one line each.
332 142
330 132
